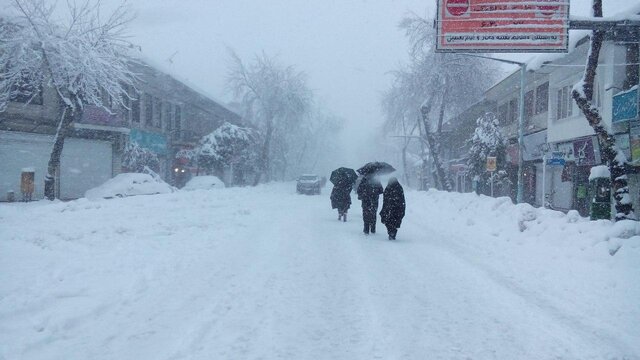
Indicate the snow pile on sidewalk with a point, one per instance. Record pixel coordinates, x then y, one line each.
524 224
561 262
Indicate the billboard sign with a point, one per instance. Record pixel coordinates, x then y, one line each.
154 142
625 105
95 115
502 26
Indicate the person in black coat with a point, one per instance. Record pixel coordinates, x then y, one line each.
341 199
393 207
369 191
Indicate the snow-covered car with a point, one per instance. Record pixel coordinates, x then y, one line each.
308 184
206 182
129 184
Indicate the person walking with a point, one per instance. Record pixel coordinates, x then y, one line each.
369 191
393 207
341 198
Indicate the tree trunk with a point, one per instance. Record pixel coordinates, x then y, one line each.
265 167
432 142
56 152
611 155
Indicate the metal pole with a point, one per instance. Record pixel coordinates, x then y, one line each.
523 73
544 179
492 184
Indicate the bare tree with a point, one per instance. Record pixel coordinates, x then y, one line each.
275 97
433 86
83 59
583 94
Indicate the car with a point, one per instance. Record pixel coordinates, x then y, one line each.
308 184
130 184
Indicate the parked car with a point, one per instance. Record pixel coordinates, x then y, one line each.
205 182
130 184
308 184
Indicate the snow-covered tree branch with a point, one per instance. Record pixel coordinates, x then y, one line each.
84 59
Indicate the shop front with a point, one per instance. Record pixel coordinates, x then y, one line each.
569 184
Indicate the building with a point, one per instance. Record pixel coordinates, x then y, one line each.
164 116
555 127
505 99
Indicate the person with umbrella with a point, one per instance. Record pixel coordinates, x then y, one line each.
343 180
393 207
369 191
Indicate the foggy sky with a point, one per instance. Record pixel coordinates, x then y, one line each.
347 47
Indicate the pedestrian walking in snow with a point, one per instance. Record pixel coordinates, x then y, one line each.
369 191
341 199
342 180
393 207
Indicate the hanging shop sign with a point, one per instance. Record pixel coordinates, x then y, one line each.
492 163
533 145
584 151
625 105
567 149
557 159
155 142
634 141
502 25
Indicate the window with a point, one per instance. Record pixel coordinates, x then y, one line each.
597 94
177 120
167 115
157 113
542 98
135 106
564 103
528 105
513 111
148 110
503 111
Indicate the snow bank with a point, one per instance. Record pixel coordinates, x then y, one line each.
527 225
129 184
600 171
204 183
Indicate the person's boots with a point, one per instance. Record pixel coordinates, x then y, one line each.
344 217
366 229
373 228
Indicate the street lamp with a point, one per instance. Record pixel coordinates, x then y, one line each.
523 71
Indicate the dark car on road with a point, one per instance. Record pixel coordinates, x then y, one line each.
308 184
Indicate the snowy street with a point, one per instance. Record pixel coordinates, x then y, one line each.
249 273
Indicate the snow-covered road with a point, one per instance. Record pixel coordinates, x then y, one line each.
263 273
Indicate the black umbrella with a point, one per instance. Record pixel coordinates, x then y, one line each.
344 176
376 168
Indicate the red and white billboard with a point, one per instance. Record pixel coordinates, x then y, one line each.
503 25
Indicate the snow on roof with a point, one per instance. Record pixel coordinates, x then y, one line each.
158 66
